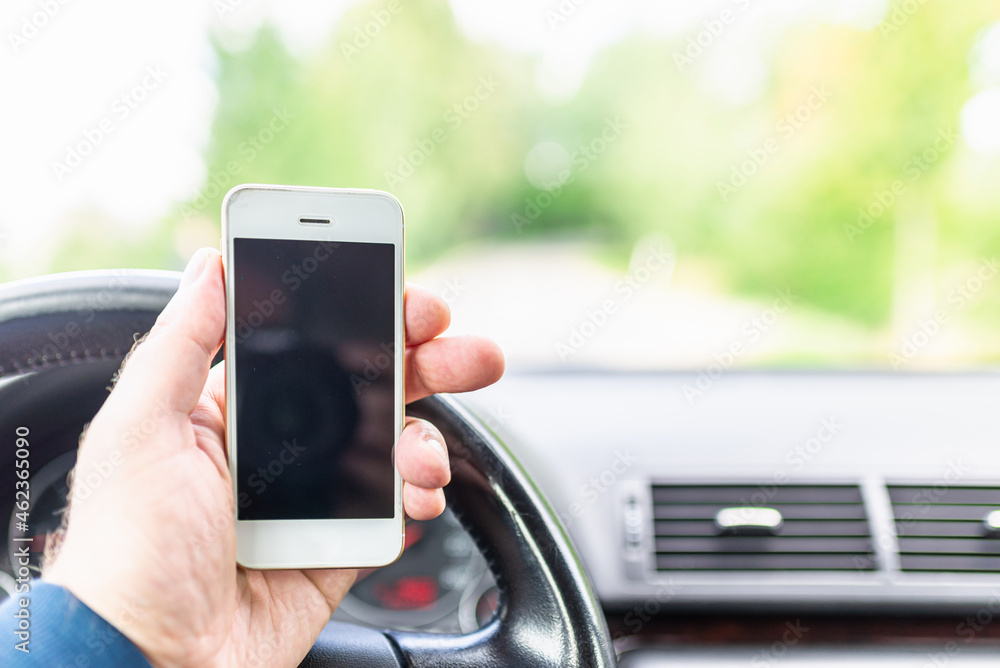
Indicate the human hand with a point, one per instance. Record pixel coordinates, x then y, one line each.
152 548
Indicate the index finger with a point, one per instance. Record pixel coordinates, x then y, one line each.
426 314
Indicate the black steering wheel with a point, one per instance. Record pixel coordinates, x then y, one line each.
61 339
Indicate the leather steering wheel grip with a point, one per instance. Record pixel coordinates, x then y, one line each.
61 327
548 614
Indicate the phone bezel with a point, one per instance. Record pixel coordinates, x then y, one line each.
274 212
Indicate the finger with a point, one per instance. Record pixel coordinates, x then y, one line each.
215 387
426 317
421 457
422 504
164 375
453 364
173 362
426 314
333 584
208 419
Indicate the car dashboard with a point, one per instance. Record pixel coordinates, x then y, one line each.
828 518
812 518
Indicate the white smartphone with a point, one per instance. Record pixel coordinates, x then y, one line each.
314 374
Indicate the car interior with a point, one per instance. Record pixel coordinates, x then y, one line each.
751 411
806 517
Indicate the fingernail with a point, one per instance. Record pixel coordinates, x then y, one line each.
194 267
439 446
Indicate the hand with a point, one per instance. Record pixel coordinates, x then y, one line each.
150 544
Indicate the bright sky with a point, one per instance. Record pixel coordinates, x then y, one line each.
131 82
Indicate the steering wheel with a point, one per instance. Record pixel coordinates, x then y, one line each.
63 336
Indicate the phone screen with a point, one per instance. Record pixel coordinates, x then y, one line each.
315 381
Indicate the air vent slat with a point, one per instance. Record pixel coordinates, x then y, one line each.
939 563
762 544
941 528
974 546
699 528
962 495
821 528
934 511
810 511
755 495
764 562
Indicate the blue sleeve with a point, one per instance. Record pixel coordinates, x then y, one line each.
50 627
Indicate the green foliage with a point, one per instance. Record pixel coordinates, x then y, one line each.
445 123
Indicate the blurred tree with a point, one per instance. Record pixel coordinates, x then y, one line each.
844 181
795 189
399 101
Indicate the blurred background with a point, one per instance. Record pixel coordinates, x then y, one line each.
594 183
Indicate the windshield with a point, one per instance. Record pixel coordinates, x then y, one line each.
626 185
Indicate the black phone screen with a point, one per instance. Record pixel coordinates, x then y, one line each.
315 382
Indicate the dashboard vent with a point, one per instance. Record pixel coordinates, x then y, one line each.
944 528
761 528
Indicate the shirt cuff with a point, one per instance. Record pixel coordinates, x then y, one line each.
49 626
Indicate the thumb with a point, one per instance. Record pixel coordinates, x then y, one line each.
167 371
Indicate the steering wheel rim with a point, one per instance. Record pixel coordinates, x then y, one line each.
67 331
